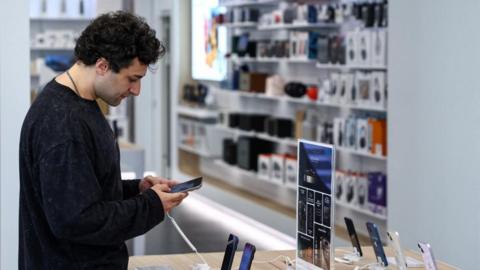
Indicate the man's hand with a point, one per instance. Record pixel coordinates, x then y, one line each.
149 181
169 200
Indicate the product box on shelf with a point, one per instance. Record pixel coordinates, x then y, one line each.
362 191
274 86
278 168
264 166
378 86
379 48
363 136
350 187
364 48
248 149
230 151
343 90
335 81
258 82
291 171
339 131
339 186
351 48
363 85
379 137
351 133
351 96
377 193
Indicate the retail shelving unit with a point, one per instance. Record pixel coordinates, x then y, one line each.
305 70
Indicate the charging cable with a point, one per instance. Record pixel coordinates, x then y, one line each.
186 238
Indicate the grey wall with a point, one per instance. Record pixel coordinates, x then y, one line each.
434 126
14 102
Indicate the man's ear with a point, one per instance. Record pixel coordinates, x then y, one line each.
102 66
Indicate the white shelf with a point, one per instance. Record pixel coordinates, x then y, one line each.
60 19
260 135
348 67
305 100
51 49
360 210
198 113
272 60
240 25
283 26
192 150
250 3
354 152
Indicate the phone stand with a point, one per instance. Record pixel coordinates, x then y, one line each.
376 267
353 257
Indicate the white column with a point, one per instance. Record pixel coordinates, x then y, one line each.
14 103
434 127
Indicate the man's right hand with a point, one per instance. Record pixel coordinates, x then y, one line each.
169 200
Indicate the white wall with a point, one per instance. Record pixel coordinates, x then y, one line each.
14 102
434 126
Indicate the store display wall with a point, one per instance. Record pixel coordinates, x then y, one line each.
434 111
14 102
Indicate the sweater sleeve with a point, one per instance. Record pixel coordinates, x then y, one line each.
130 188
74 206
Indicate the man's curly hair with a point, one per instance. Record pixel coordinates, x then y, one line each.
119 37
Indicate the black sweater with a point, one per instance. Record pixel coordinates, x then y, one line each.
75 211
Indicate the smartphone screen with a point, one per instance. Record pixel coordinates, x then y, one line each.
353 236
377 243
187 186
247 257
229 252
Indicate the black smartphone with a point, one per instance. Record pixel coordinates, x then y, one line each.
188 185
229 252
377 244
247 256
353 237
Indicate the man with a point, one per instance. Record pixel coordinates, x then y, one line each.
75 211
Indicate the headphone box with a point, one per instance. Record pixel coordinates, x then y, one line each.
364 88
278 168
364 50
339 132
350 187
344 88
351 133
377 193
351 48
264 166
379 48
362 191
339 186
335 87
363 136
379 90
291 171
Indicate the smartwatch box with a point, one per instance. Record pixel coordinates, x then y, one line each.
363 85
351 48
264 166
278 168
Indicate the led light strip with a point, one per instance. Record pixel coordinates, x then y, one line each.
240 224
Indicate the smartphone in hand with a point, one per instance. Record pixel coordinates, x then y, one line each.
187 186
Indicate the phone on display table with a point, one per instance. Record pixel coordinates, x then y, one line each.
247 257
353 236
187 186
394 239
229 252
427 255
377 244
